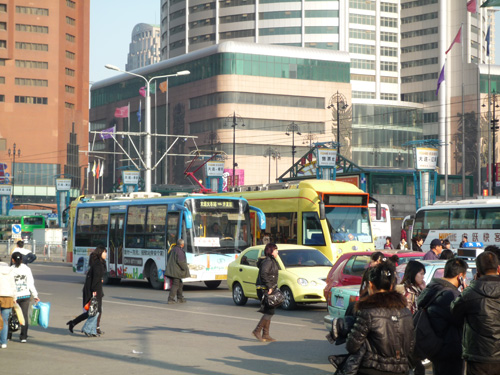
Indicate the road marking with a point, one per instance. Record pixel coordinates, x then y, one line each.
199 313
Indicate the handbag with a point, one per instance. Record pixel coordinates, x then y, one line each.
35 314
43 319
275 299
13 322
93 306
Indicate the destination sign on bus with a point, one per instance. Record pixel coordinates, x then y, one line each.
216 204
345 200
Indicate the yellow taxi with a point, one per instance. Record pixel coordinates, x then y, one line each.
302 274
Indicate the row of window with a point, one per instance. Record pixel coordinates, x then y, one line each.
385 79
364 49
387 96
419 78
32 10
389 51
70 21
256 99
422 62
361 34
36 174
212 125
362 19
32 46
363 95
30 99
421 32
417 3
367 114
389 66
420 18
420 97
32 28
431 117
70 4
32 64
69 89
69 105
419 47
70 55
31 82
70 38
388 22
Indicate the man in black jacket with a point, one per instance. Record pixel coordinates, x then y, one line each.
479 308
177 269
449 359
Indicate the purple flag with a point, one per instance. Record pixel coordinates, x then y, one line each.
106 133
440 79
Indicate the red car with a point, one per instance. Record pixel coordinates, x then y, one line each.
350 267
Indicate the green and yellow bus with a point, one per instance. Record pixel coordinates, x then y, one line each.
332 216
28 223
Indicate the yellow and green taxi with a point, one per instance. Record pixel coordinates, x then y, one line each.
302 274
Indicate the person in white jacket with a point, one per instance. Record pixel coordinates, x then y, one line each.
7 299
25 285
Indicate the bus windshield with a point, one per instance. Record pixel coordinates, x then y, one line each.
219 226
349 224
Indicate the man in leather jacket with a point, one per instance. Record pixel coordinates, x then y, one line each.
479 308
448 361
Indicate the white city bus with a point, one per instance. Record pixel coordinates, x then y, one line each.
479 219
381 228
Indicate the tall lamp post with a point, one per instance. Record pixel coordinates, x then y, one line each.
293 128
147 158
338 102
13 153
234 118
268 154
276 156
492 169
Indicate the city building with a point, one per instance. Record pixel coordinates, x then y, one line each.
44 78
144 47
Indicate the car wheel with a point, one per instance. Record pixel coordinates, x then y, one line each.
238 295
213 284
289 302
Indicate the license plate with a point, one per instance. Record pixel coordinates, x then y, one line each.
220 277
339 301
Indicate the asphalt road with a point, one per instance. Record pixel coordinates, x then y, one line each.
208 335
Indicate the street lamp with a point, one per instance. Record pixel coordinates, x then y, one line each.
234 117
400 159
268 154
14 166
309 137
293 128
338 102
147 158
276 156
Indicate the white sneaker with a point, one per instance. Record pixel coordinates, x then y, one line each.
4 346
23 340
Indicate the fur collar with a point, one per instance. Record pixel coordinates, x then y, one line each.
389 300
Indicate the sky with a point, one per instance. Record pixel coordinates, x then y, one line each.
111 24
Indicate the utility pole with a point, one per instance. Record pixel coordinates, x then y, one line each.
293 128
14 166
268 154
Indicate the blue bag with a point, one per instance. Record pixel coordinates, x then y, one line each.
90 326
43 319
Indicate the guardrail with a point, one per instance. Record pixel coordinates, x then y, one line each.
45 251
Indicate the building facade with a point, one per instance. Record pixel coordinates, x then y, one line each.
44 77
145 46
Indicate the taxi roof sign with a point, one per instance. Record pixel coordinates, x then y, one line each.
470 250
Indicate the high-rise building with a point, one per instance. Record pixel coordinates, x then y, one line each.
144 47
44 78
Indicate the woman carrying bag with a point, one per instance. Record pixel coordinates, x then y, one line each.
267 281
93 288
8 292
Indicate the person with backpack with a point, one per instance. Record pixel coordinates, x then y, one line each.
445 351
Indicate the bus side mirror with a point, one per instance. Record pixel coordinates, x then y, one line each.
260 216
188 216
378 211
322 214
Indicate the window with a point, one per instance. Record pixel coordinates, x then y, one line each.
237 34
362 19
2 62
201 7
362 4
279 15
389 51
236 3
388 22
70 38
388 37
361 34
419 47
362 64
250 258
69 89
32 28
2 80
463 218
32 46
70 55
91 226
70 4
414 63
2 98
202 38
3 44
177 14
32 64
386 96
363 95
389 7
419 97
322 30
172 228
280 31
311 229
362 49
3 25
29 100
236 18
31 82
420 18
146 227
70 21
321 13
385 79
3 8
421 32
417 3
362 77
31 10
419 78
357 265
388 66
70 72
69 105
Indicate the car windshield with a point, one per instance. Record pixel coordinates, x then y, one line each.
349 224
303 258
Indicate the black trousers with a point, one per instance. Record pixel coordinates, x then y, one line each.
478 368
176 289
452 366
24 304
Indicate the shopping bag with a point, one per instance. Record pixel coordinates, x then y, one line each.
19 314
90 326
93 307
35 314
43 319
167 284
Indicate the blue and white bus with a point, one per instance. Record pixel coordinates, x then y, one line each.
138 232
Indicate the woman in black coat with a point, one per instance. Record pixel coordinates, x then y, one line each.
382 336
267 281
93 286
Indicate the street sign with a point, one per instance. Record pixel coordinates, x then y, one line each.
6 190
63 184
16 231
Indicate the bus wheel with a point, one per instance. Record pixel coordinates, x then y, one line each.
289 302
153 279
238 295
212 284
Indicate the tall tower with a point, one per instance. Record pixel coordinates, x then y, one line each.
144 47
44 78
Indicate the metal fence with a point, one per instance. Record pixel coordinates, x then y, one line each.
45 251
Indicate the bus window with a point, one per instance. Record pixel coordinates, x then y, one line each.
172 228
136 226
311 229
462 219
155 227
100 226
83 224
349 224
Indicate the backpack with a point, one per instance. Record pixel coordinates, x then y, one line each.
427 343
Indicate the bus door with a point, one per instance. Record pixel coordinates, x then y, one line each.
115 245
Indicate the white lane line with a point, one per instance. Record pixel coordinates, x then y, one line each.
198 313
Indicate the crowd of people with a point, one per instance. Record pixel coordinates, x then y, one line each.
378 330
